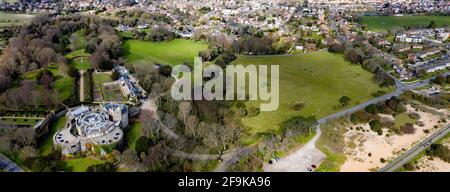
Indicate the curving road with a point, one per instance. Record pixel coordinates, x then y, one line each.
416 150
308 155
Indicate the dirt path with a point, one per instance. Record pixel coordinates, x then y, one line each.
82 85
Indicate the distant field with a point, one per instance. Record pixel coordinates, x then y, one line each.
173 52
315 80
7 19
384 23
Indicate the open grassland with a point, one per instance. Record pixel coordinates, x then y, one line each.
8 19
314 81
384 23
46 147
173 52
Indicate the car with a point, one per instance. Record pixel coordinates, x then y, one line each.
309 169
313 166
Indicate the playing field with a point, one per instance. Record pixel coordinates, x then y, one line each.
384 23
7 19
172 52
314 81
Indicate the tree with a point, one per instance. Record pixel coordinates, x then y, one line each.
344 100
142 144
432 24
372 109
165 70
130 157
45 78
28 152
115 75
375 125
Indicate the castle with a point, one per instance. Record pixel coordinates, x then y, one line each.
88 126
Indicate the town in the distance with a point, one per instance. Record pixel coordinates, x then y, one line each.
85 86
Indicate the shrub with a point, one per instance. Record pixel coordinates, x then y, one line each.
372 109
375 125
408 128
414 115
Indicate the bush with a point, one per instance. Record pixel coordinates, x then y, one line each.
440 151
372 109
104 167
375 125
142 144
414 115
360 117
408 128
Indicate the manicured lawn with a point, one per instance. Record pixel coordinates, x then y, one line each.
7 19
65 87
384 23
81 164
133 134
174 52
316 80
79 59
46 147
100 78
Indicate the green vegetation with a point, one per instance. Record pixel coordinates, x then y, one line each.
20 121
79 59
65 87
133 133
100 78
82 164
172 52
8 19
46 147
332 143
313 81
384 23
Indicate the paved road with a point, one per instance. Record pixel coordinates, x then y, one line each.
309 154
8 165
416 150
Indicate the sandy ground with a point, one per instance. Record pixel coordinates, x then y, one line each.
365 149
427 164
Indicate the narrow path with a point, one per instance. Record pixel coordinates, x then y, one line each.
82 85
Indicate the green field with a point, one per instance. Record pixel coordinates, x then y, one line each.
64 84
79 59
82 164
384 23
133 134
7 19
46 147
316 80
100 78
173 52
